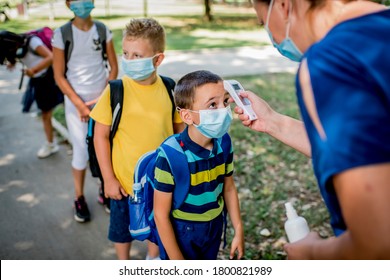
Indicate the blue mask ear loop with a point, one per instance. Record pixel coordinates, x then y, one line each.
267 22
288 24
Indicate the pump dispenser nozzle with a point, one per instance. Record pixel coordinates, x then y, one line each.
296 226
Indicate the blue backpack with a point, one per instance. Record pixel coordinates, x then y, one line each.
142 225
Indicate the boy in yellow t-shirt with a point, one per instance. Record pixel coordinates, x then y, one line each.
145 122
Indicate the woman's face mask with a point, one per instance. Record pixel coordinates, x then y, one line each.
82 9
214 123
138 69
287 47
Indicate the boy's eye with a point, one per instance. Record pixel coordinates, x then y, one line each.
226 102
213 105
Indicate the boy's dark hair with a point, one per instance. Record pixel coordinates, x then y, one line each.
146 28
186 86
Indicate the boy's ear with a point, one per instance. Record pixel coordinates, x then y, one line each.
160 59
186 116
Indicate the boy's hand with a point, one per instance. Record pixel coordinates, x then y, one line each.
237 245
84 113
113 189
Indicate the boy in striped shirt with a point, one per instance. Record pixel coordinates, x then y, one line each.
194 230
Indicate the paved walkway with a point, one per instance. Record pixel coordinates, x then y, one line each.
36 196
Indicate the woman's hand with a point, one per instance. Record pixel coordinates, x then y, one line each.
262 110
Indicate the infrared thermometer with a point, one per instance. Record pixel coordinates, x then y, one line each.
234 88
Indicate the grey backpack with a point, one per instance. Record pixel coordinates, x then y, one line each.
67 37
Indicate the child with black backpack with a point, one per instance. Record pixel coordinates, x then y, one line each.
82 48
148 116
37 59
193 231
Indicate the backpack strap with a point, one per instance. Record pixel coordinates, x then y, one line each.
178 163
101 30
170 85
67 38
116 99
226 145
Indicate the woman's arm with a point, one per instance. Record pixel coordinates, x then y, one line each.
232 204
288 130
162 209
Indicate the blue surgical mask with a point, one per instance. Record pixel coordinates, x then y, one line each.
81 9
287 47
138 69
214 123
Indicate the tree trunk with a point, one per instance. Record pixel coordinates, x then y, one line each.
207 8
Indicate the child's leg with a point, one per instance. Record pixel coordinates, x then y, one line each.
153 251
47 125
211 246
77 133
118 231
123 250
78 179
49 147
199 240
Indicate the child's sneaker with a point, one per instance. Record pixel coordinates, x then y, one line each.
81 213
48 149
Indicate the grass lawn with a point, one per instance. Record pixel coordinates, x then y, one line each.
183 32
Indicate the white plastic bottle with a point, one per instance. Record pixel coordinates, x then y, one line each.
137 196
296 226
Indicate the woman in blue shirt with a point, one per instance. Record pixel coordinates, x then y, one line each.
343 90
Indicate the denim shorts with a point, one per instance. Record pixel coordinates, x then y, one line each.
197 240
118 230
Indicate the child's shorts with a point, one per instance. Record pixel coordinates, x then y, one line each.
118 230
47 93
197 240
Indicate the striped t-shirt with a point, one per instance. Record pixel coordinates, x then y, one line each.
207 169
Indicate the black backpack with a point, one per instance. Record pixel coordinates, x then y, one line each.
116 99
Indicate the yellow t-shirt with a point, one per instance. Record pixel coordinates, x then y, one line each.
145 123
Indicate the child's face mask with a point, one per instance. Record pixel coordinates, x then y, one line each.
214 123
81 9
138 69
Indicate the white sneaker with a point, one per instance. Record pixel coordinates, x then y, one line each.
48 149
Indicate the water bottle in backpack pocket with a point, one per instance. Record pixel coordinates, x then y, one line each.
139 222
142 225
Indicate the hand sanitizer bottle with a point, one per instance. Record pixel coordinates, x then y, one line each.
296 226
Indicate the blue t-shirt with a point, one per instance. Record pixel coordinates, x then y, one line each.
350 77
